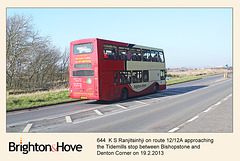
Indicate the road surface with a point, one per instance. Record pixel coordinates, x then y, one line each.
203 105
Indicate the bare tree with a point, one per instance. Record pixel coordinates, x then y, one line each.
32 61
18 41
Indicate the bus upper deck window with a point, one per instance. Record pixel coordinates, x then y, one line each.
155 56
83 48
146 55
161 56
136 54
110 52
124 53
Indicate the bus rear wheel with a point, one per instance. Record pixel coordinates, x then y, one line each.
156 88
124 94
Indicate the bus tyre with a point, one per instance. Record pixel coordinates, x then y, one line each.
156 88
124 94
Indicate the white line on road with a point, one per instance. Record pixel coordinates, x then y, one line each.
68 119
195 117
121 106
218 103
207 109
156 98
27 128
174 129
98 112
121 111
225 98
192 119
142 102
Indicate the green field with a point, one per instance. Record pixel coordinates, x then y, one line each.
54 97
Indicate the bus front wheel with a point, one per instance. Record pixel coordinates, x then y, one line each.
124 94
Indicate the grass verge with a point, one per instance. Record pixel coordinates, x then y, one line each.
184 79
37 99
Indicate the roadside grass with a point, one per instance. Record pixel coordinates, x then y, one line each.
37 99
184 79
31 100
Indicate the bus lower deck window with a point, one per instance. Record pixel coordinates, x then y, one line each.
125 77
137 76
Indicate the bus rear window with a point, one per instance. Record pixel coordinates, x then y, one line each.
83 48
83 73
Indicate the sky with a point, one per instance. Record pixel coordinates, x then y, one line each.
190 37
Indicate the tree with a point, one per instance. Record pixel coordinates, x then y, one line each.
32 61
19 38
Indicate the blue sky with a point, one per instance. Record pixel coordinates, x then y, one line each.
190 37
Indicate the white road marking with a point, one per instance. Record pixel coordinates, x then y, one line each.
142 102
207 109
225 98
174 129
110 114
98 112
68 119
197 116
27 128
121 106
192 119
156 98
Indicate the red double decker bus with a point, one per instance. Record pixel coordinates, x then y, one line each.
109 70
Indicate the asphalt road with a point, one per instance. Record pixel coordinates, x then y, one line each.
198 106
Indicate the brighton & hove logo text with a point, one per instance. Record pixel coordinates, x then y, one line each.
36 147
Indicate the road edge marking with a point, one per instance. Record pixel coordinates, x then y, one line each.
98 112
68 119
121 106
198 115
142 102
27 128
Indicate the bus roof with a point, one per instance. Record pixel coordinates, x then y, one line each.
146 47
129 44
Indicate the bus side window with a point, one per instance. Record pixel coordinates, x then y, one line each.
116 78
110 52
146 55
124 53
136 54
162 74
155 56
125 77
161 58
137 76
145 76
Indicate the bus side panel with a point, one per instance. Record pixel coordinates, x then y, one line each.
107 68
162 87
133 93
